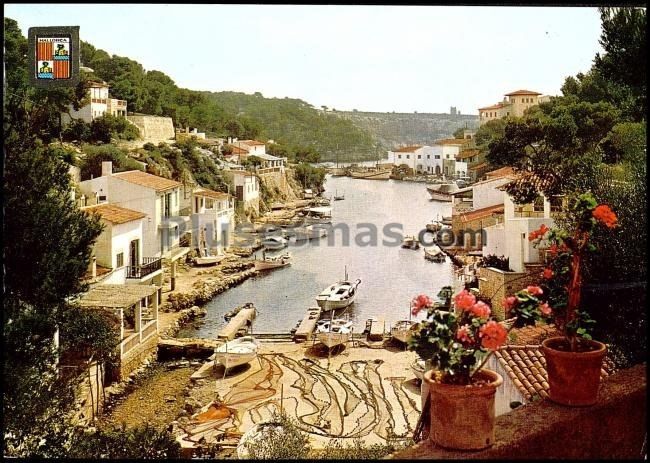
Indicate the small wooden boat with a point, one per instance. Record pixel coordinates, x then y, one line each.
410 242
236 352
338 197
208 260
442 192
321 214
403 330
269 263
320 201
334 332
434 254
274 242
338 296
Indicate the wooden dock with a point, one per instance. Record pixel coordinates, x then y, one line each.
242 320
308 324
377 330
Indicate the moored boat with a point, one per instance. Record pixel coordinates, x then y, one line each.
268 263
236 352
434 254
338 296
309 232
410 242
403 330
208 260
321 214
442 191
338 197
334 332
371 175
274 242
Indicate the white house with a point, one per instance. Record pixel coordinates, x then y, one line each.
119 247
510 238
449 150
422 159
100 103
483 194
252 147
213 219
157 197
247 189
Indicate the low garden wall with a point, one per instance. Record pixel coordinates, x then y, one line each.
613 428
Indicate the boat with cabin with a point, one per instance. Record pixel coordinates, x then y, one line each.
269 263
338 295
410 242
334 332
320 214
274 242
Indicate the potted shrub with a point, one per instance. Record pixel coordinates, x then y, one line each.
574 360
461 392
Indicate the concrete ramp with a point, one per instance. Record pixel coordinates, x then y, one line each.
243 319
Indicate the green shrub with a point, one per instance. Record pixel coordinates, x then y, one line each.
285 442
95 155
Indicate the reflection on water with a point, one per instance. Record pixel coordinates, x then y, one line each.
390 276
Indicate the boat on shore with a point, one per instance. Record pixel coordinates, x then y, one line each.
334 332
403 330
338 295
274 242
208 260
269 263
410 242
434 254
236 352
443 191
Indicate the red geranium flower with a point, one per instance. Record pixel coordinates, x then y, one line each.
545 309
535 290
464 334
493 335
547 274
480 309
605 215
420 302
464 300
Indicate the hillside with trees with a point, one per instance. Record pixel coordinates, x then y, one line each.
396 129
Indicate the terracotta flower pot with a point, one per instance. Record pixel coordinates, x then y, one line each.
462 417
573 377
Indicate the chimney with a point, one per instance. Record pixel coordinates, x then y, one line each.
107 168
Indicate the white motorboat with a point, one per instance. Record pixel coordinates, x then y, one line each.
321 214
274 242
435 254
410 242
334 332
309 232
403 330
236 352
268 263
442 192
338 296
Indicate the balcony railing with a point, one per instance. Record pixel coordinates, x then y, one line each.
149 265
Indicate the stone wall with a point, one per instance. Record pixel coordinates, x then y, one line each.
614 428
136 357
497 285
153 128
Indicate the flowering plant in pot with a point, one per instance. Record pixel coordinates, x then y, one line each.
575 359
461 392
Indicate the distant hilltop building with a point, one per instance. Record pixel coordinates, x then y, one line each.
513 104
453 111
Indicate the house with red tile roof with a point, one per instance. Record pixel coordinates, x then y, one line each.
156 197
514 104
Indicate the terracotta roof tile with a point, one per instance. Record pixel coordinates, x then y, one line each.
407 149
478 166
502 172
522 92
467 154
481 213
147 180
525 366
495 106
114 214
251 142
238 150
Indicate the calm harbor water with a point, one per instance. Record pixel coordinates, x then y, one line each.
390 276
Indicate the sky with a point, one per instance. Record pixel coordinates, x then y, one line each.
370 58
